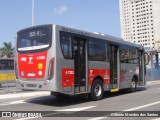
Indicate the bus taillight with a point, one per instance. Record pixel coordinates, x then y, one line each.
50 69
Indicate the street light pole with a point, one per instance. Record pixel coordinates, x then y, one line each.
32 12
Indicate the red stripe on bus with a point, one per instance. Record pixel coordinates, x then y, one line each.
103 73
68 76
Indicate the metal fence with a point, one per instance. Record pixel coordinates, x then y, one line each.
153 73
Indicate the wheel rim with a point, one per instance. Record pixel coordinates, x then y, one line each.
133 85
97 90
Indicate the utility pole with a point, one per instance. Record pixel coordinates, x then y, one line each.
32 12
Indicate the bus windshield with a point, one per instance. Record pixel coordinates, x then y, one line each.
34 38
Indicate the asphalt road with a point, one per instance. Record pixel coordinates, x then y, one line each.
80 108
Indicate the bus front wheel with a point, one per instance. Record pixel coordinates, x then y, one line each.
97 90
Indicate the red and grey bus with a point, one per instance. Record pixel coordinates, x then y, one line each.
68 61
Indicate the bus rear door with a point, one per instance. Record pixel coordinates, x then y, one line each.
113 52
141 68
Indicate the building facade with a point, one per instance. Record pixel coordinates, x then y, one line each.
140 21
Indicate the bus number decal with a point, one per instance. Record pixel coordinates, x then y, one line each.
67 77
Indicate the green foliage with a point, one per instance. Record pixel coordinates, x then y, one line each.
7 50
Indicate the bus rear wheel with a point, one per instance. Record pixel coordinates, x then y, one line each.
133 85
97 90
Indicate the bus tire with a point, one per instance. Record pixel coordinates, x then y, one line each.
133 85
96 90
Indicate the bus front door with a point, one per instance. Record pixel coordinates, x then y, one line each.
79 65
113 51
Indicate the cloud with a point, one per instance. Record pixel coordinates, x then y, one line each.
60 10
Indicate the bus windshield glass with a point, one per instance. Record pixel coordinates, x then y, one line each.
34 38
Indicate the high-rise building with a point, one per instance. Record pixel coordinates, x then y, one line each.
140 21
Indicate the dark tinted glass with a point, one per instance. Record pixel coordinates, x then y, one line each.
97 50
6 64
65 41
35 38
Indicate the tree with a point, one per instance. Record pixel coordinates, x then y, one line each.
7 50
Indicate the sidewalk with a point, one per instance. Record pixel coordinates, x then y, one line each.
9 88
151 82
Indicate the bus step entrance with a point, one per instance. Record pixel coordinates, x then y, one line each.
114 90
112 86
79 89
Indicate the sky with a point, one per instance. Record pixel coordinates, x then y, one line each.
89 15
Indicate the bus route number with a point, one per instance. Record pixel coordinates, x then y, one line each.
37 33
70 72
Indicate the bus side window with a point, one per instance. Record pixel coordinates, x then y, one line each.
124 55
91 50
65 41
97 50
134 55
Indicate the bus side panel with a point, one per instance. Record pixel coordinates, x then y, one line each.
54 83
60 66
98 68
127 72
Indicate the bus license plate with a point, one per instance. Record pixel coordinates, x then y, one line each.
31 85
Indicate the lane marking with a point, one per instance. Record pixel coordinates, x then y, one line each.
21 95
63 110
143 106
13 102
77 109
131 109
71 109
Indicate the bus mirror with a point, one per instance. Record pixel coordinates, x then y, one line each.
147 58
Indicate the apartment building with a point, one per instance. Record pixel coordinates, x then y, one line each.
140 21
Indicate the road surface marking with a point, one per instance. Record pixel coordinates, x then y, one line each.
22 95
143 106
131 109
97 118
63 110
69 110
77 109
13 102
